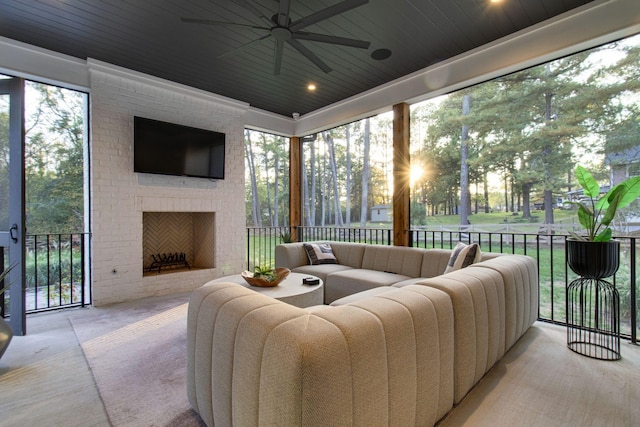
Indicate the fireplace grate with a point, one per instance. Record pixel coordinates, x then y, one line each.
170 261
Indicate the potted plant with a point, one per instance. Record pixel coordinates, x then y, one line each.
265 276
595 255
286 237
5 330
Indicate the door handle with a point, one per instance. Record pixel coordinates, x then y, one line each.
13 232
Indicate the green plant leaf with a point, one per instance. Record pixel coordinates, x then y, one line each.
604 236
630 192
587 182
265 272
586 218
610 213
3 275
604 201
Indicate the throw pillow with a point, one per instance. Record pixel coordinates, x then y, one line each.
320 253
463 256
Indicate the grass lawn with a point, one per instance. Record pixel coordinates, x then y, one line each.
561 216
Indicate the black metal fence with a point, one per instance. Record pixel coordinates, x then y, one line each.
546 246
56 272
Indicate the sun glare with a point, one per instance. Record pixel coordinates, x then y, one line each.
415 174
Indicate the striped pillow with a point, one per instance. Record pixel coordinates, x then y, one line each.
463 256
320 253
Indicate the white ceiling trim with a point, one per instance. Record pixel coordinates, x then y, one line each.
266 121
95 65
588 26
19 59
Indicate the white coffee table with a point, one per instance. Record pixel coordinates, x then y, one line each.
290 290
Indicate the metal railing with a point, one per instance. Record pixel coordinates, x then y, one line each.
547 246
261 241
56 272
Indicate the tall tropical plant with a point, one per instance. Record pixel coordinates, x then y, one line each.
597 213
3 275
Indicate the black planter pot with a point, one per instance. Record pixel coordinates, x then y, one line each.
593 260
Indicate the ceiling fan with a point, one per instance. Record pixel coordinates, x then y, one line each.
281 29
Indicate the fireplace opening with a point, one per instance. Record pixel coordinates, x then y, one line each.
168 261
177 241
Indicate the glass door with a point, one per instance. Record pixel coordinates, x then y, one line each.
12 199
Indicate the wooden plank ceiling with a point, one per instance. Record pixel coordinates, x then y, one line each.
149 36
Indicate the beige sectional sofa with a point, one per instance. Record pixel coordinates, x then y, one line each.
253 360
400 344
362 266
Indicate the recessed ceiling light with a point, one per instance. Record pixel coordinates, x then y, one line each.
311 87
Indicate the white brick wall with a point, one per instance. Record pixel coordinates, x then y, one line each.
119 196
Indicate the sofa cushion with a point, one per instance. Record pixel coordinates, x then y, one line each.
520 274
478 299
319 253
463 255
364 294
321 270
434 262
348 253
407 282
292 255
414 394
347 282
393 259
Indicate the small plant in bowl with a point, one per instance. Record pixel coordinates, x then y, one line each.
265 276
596 214
266 273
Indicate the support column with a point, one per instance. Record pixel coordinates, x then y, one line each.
295 193
401 175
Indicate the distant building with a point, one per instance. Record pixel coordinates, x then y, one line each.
380 213
625 163
622 164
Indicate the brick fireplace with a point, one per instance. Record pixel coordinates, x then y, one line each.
166 234
205 219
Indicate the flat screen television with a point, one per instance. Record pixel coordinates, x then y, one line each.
171 149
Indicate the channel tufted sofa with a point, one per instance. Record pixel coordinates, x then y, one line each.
400 342
362 266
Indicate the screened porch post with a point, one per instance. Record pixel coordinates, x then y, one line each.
401 176
295 188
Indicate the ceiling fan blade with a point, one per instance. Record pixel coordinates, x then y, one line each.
223 23
251 8
324 38
277 61
323 14
310 55
244 46
283 12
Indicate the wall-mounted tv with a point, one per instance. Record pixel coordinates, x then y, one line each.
171 149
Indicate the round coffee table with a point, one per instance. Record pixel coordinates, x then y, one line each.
290 290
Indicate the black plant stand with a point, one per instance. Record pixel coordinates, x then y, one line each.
593 318
593 303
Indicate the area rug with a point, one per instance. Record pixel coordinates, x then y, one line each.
137 355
